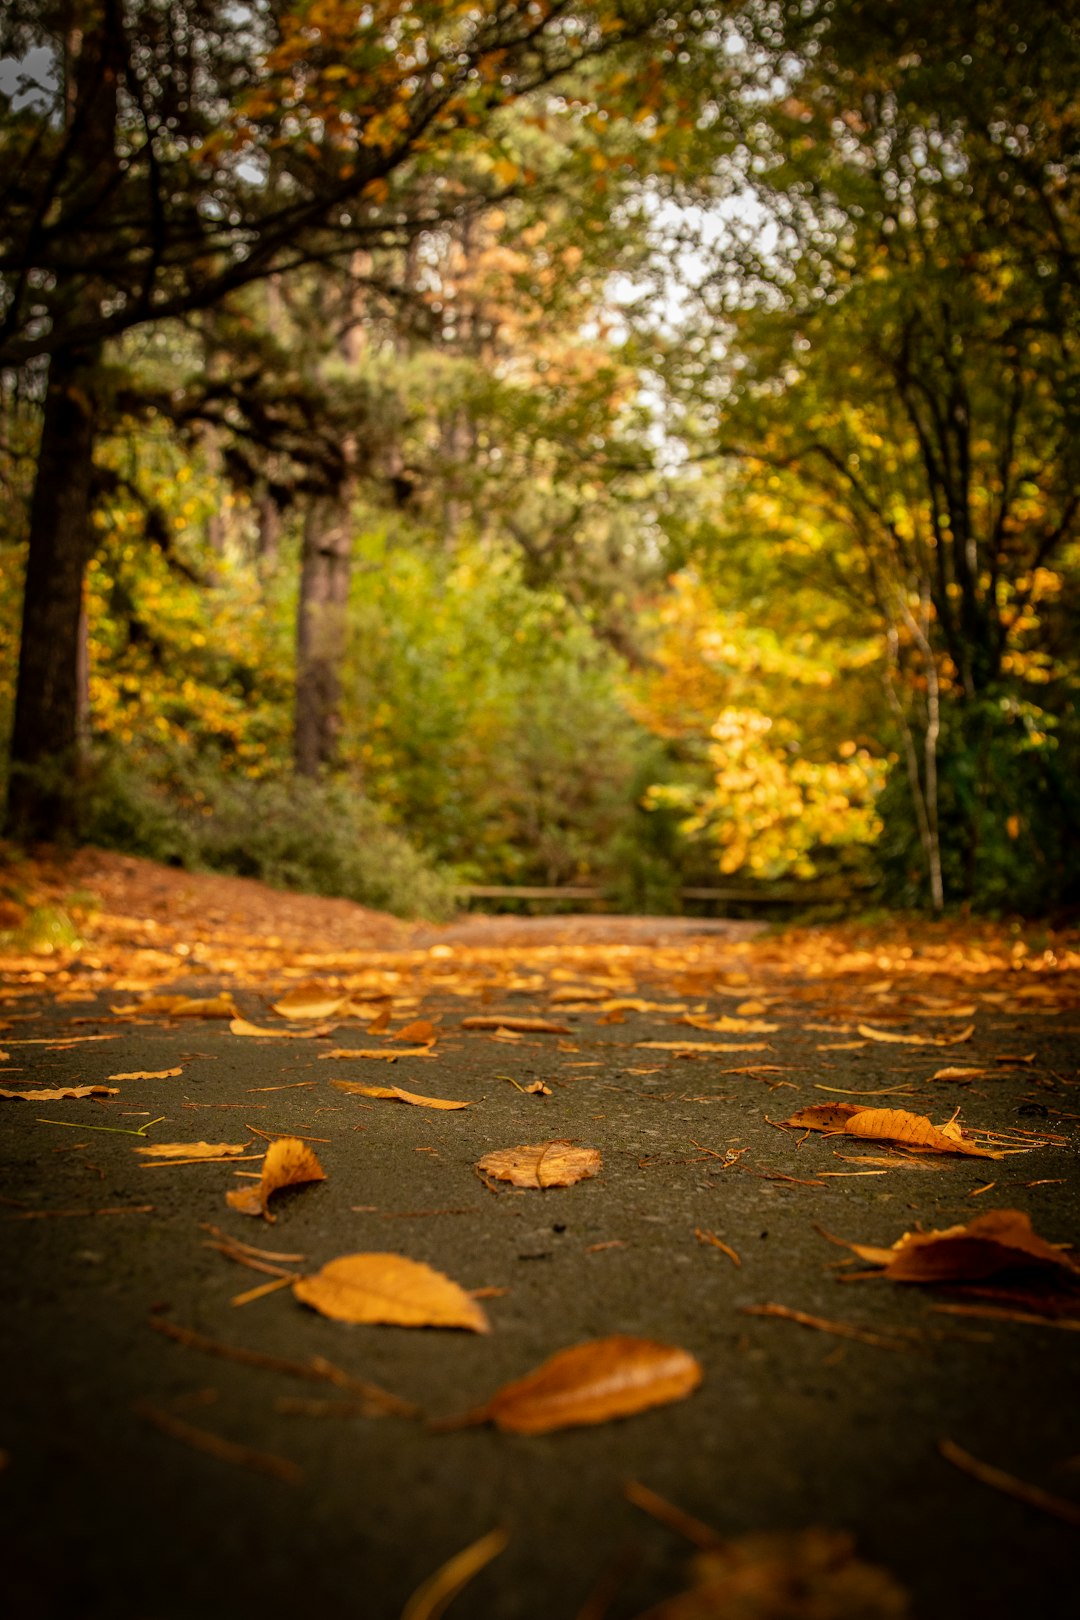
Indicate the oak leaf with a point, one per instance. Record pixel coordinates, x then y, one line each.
593 1383
549 1164
288 1161
389 1288
395 1094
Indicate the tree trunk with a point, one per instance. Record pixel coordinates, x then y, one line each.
322 626
45 742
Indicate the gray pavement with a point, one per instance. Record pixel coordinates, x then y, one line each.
107 1517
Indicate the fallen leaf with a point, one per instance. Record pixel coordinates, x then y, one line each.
311 1000
395 1094
1001 1240
521 1026
537 1088
241 1026
550 1164
840 1046
960 1074
389 1288
592 1383
222 1006
916 1040
147 1074
692 1048
192 1150
914 1130
809 1574
385 1054
432 1598
60 1092
729 1025
421 1029
288 1161
888 1125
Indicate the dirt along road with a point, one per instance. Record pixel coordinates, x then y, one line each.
722 1135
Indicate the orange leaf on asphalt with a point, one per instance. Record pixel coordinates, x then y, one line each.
310 1000
824 1116
960 1074
550 1164
288 1161
221 1006
914 1130
916 1040
395 1094
392 1289
385 1053
421 1029
998 1241
147 1074
241 1026
593 1383
523 1026
694 1048
192 1150
60 1092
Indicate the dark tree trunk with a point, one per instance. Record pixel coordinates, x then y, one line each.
322 626
45 742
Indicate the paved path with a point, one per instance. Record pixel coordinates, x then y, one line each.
110 1509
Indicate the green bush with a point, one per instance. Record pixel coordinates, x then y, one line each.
319 837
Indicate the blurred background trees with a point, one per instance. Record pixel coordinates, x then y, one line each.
632 444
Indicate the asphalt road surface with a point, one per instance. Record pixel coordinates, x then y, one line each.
111 1506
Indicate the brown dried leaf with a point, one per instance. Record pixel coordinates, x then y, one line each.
384 1053
787 1575
395 1094
523 1026
694 1048
916 1040
1000 1240
288 1161
389 1288
593 1383
421 1029
311 1000
147 1074
60 1092
914 1130
549 1164
192 1150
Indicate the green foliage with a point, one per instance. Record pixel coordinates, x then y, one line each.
320 837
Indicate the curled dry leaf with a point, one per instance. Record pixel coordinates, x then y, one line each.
698 1048
727 1025
549 1164
377 1052
421 1029
147 1074
395 1094
888 1125
288 1161
192 1150
59 1093
960 1074
241 1026
222 1006
1001 1240
916 1040
593 1383
786 1575
311 1000
523 1026
392 1289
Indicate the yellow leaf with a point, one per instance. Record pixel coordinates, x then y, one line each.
916 1040
61 1092
387 1056
392 1289
147 1074
593 1383
395 1094
550 1164
192 1150
287 1162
